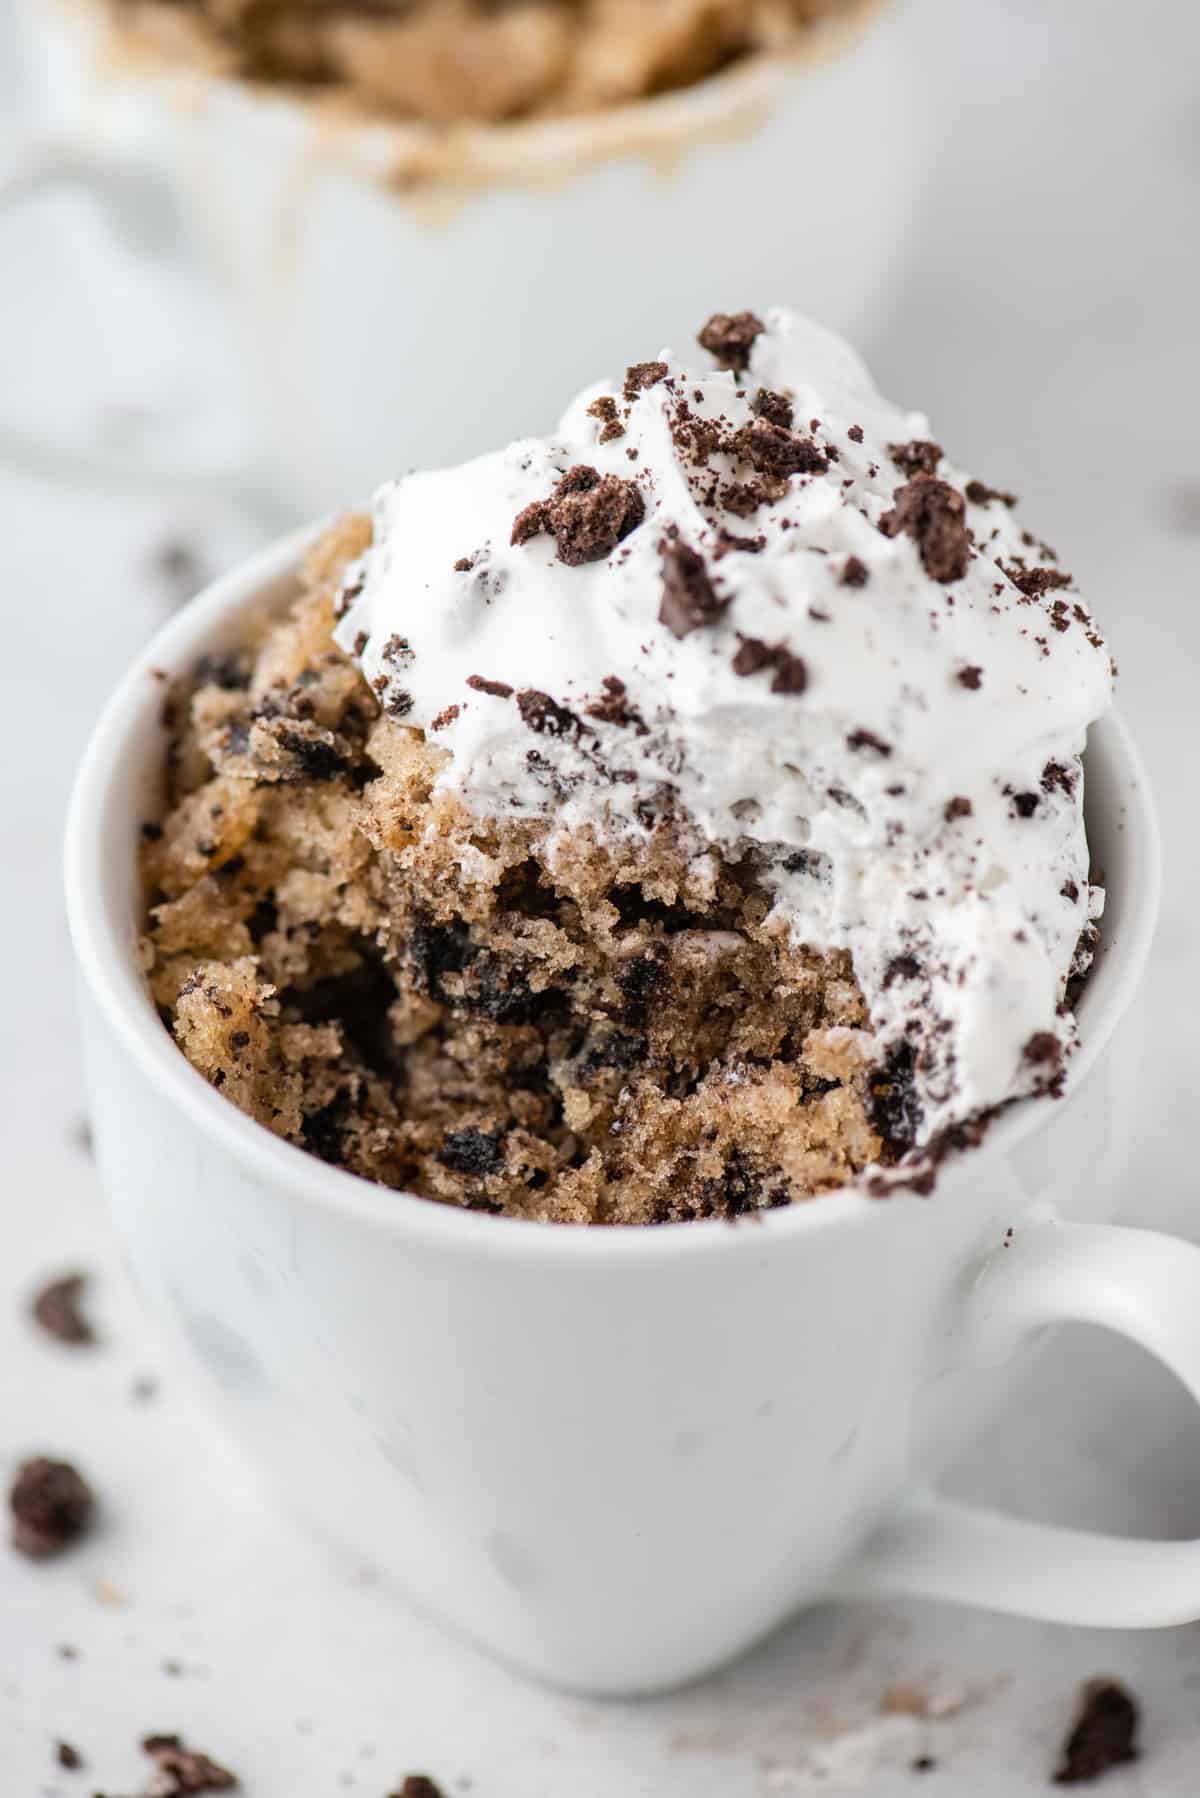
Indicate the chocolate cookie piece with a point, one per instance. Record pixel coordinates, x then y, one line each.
729 337
933 514
56 1309
689 597
1103 1735
184 1771
587 514
51 1505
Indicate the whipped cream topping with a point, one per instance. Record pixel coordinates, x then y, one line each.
756 596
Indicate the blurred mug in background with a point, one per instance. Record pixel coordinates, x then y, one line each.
401 283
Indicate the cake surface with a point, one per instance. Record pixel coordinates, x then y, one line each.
673 817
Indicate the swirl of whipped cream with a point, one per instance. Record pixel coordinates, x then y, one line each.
760 591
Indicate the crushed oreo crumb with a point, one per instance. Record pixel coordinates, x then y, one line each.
1033 582
320 759
933 514
901 967
68 1757
895 1110
689 598
958 807
855 433
744 497
544 714
980 494
776 407
51 1505
613 706
789 672
729 337
497 688
1043 1049
641 375
419 1785
970 677
1058 777
772 450
855 573
473 1151
56 1309
728 541
866 739
918 457
605 409
184 1770
587 514
1104 1733
464 565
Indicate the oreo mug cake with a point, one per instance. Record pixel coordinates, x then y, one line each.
672 817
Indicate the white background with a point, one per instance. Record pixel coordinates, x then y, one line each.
1048 322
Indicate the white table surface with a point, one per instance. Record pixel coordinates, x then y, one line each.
1048 323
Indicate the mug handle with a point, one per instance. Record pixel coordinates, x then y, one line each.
140 210
1143 1285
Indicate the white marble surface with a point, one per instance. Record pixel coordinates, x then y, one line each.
1048 323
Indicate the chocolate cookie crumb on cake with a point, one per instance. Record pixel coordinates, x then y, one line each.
449 60
567 853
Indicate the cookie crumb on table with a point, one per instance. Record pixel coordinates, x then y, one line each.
1104 1733
184 1770
56 1309
51 1505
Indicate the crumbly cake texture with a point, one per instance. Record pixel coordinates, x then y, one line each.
708 834
444 61
407 991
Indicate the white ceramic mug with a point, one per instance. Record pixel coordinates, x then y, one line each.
399 296
618 1456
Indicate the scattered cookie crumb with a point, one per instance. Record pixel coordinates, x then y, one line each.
56 1309
67 1756
419 1785
51 1505
1103 1735
184 1770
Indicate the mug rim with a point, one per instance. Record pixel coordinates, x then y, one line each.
417 154
106 958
